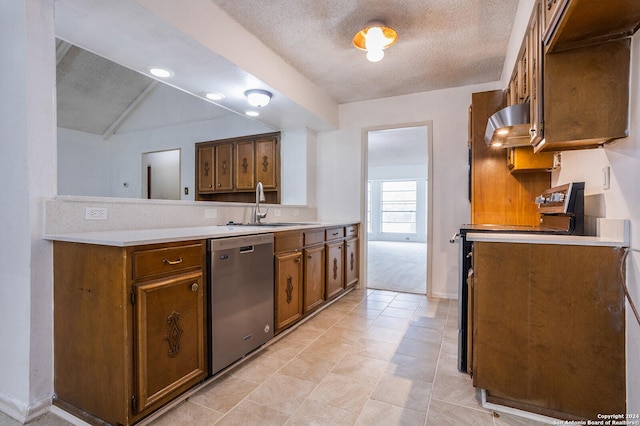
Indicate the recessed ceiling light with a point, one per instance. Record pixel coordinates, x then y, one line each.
252 113
160 72
214 96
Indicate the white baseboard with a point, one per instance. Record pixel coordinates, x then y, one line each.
22 413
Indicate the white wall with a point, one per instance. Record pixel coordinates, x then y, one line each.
622 201
28 175
340 169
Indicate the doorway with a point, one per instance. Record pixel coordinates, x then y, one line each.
397 217
161 175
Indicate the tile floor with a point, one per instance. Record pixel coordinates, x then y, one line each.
372 358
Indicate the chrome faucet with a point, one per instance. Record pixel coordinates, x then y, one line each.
257 215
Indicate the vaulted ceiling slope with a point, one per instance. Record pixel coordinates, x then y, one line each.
442 44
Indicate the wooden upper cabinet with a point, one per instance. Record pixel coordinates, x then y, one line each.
238 165
205 169
245 165
577 23
224 167
536 57
267 162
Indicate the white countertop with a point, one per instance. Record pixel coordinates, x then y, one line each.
127 238
575 240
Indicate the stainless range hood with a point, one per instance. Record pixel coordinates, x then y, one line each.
509 127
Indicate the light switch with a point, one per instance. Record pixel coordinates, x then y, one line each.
606 177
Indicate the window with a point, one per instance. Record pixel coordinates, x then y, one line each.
399 207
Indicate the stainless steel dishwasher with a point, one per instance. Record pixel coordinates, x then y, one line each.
241 296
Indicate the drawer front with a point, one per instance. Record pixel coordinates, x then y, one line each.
313 236
351 231
167 260
287 241
336 233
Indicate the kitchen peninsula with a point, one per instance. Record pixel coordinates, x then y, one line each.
132 322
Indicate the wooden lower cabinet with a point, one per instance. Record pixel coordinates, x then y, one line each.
313 277
288 291
351 262
334 268
549 328
129 328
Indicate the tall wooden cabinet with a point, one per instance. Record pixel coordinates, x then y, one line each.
549 328
230 169
129 327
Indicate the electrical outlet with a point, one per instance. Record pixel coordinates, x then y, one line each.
96 213
210 213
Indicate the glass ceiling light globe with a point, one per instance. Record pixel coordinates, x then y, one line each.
257 97
375 55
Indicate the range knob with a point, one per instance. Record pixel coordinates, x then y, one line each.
557 197
540 199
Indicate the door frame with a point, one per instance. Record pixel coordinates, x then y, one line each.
364 240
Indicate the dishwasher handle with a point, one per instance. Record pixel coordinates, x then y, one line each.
247 249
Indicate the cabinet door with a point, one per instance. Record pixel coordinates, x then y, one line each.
205 169
170 340
313 277
334 268
244 165
288 289
351 262
266 166
224 167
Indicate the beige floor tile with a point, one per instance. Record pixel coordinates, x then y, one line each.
419 348
313 370
397 312
411 297
422 333
321 414
8 421
403 392
450 346
377 413
433 311
365 311
340 334
258 369
502 419
283 393
286 349
190 414
428 322
374 304
361 368
443 414
343 392
451 332
355 322
249 413
390 322
48 419
373 348
456 388
224 393
385 334
326 349
404 304
412 367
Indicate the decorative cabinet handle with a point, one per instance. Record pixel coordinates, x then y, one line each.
206 168
173 333
194 287
172 262
352 261
245 165
265 163
224 168
335 234
289 288
335 268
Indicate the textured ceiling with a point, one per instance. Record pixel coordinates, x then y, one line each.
441 43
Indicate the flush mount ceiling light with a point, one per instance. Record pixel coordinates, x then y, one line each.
160 72
213 96
258 97
374 38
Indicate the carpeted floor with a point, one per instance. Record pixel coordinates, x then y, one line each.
397 266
